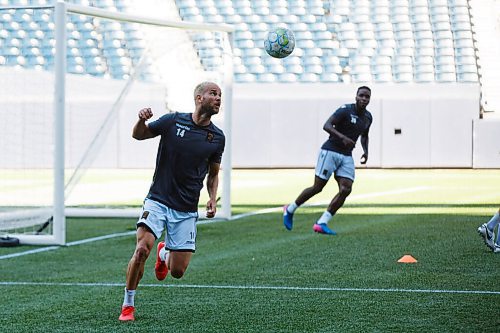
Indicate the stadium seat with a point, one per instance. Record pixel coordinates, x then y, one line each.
464 43
245 77
267 77
385 50
465 51
381 69
309 77
467 77
313 52
399 67
383 78
303 35
446 77
257 69
314 69
295 69
287 78
239 69
362 77
466 68
276 68
403 77
329 77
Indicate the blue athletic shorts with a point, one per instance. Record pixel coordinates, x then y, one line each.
330 162
180 227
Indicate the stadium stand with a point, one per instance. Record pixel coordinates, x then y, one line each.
351 41
95 47
337 40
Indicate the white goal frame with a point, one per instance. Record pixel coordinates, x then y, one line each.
61 9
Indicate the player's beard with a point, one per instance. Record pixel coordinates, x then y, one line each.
209 110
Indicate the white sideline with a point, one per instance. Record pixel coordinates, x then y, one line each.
287 288
235 217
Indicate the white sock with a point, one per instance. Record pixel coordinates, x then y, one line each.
163 254
292 207
128 300
493 222
167 255
325 218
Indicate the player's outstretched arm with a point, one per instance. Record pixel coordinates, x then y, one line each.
212 185
141 130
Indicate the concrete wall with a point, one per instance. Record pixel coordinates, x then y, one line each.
486 143
27 126
414 125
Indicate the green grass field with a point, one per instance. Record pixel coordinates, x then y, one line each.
252 275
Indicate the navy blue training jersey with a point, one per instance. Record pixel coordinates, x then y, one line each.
351 125
184 153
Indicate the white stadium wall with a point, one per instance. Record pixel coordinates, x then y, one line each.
28 117
280 125
414 125
486 143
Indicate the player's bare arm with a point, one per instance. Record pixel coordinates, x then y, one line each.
212 185
364 143
141 130
329 127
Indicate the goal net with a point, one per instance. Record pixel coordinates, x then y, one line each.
73 80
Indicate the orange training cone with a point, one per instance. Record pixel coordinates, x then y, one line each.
407 259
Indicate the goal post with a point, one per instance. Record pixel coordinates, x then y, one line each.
43 211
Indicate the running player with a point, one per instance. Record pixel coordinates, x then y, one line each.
345 126
190 147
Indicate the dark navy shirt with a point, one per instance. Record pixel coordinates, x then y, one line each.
351 124
184 153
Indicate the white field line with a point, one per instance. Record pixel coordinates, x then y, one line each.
285 288
235 217
83 241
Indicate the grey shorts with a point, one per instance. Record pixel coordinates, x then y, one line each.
180 227
330 162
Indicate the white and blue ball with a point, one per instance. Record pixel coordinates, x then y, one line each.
279 43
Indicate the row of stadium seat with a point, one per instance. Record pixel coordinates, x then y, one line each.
336 40
95 47
417 40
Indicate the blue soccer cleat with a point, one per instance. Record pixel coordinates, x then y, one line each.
323 229
287 218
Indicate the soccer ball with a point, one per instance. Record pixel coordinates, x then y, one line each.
279 43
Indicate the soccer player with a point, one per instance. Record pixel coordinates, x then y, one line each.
190 147
344 126
487 231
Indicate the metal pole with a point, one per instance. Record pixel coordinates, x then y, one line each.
228 111
59 223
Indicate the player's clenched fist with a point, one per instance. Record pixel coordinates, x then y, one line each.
145 114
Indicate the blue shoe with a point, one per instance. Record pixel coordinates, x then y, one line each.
287 218
323 229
